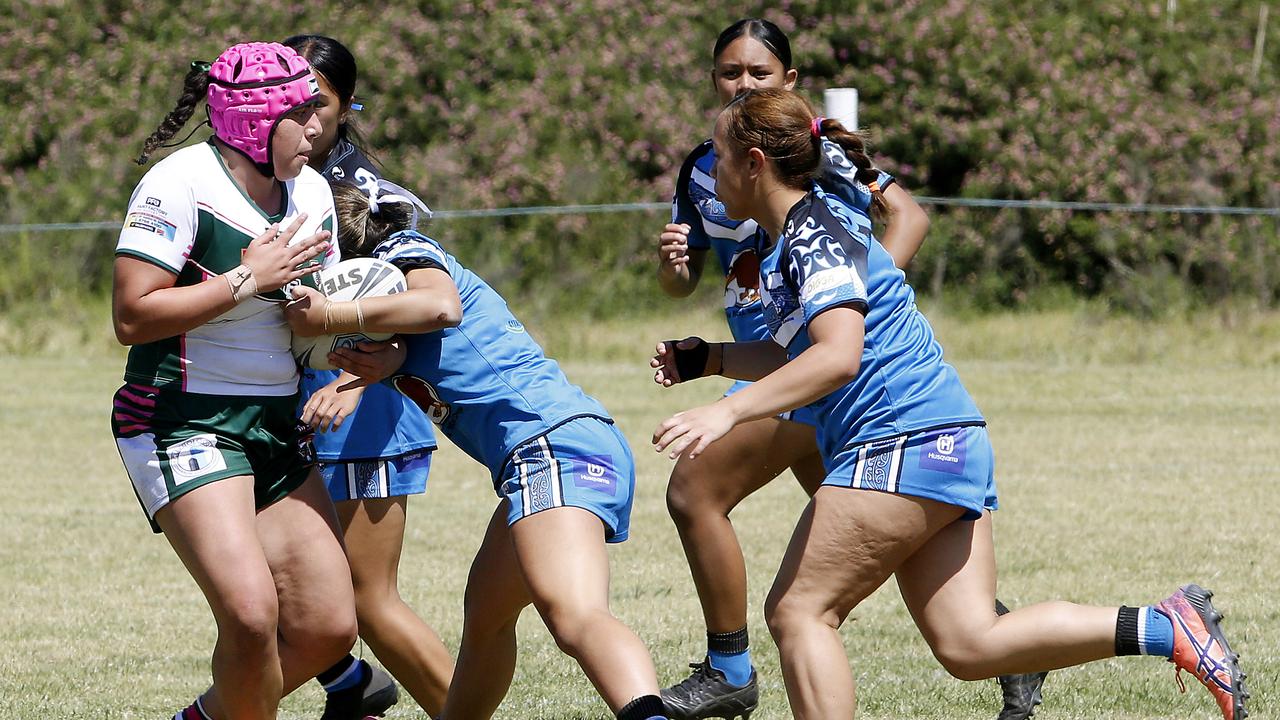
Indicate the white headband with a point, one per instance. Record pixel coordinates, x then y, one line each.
389 192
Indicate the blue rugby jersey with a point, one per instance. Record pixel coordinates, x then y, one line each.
486 383
385 424
695 205
828 257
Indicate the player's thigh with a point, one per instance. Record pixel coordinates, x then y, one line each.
847 543
300 537
562 558
949 584
744 460
373 530
213 530
496 591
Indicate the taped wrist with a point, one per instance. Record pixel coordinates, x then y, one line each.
691 363
242 283
343 317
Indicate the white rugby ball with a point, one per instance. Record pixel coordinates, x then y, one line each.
348 280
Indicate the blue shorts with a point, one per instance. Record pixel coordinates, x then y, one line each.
380 478
803 415
584 463
952 465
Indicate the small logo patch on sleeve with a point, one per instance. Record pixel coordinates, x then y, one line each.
151 223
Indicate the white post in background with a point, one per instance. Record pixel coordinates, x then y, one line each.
842 104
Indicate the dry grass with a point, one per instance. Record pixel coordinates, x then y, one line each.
1132 457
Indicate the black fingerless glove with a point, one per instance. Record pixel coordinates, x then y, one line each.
691 363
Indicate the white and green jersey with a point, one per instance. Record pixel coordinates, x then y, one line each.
189 217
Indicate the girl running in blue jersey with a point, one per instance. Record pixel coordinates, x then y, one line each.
909 486
563 472
754 53
205 422
373 456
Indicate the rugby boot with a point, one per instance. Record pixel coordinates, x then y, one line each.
1200 648
1021 692
707 694
371 698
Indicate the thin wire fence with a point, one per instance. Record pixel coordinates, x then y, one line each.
550 210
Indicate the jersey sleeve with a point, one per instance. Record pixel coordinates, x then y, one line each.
683 209
412 251
827 265
160 225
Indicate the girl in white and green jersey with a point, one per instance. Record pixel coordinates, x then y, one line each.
205 423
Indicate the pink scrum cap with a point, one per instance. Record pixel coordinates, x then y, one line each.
251 86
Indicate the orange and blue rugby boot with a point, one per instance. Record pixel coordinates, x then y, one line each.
1200 648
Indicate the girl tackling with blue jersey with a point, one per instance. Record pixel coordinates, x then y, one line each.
563 472
909 484
373 456
753 53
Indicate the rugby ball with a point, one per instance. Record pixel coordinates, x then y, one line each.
348 280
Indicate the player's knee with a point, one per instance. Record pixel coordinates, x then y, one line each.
249 621
687 497
326 640
788 613
963 663
571 626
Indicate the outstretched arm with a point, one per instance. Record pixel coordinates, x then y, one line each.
829 363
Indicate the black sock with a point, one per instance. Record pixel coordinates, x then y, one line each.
643 708
1127 631
729 643
336 671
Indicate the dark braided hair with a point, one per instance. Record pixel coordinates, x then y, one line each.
779 123
194 88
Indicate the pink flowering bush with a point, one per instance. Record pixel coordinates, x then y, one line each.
494 104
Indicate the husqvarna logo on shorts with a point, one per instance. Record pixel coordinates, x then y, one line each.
943 451
595 472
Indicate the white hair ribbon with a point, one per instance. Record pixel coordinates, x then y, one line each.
389 192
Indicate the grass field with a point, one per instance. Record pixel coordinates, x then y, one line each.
1132 457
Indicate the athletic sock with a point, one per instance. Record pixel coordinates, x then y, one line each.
348 673
194 711
730 654
645 707
1143 631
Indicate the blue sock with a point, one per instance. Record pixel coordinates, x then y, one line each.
735 666
1155 632
351 677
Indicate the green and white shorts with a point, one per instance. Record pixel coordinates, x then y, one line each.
173 442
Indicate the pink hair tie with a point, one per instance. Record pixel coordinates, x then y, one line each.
815 127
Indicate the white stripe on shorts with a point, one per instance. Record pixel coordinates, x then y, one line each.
553 466
860 480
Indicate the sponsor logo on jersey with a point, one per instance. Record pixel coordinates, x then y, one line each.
595 472
153 224
514 326
944 451
153 202
424 396
742 284
195 457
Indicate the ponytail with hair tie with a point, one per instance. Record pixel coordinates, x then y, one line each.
815 127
